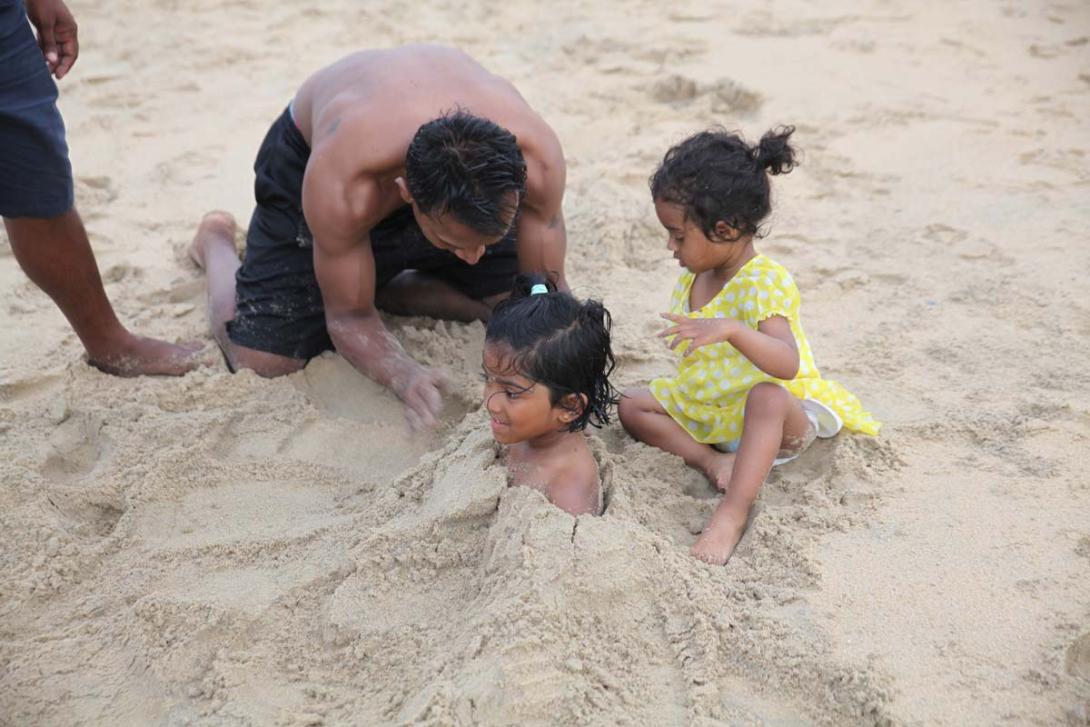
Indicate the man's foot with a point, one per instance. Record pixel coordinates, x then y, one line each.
139 356
720 537
718 469
216 227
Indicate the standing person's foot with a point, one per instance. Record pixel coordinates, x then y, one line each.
140 356
718 469
720 537
216 226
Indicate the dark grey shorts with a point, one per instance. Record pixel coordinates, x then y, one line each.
35 174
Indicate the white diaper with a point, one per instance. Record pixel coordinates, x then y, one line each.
824 423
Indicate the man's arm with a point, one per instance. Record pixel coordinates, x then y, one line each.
345 269
542 238
542 243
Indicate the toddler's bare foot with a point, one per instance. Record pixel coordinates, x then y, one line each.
217 226
139 356
720 537
718 470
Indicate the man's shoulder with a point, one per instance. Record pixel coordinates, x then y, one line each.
546 170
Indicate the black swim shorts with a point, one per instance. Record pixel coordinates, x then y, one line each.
35 174
278 303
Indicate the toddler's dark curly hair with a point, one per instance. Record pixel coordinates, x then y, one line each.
716 176
560 342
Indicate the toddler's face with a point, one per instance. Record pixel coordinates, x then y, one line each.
691 248
520 408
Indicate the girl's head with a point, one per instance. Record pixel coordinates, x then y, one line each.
547 361
713 188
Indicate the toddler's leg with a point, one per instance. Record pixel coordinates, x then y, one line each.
773 419
644 418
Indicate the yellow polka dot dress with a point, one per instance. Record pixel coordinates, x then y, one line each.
708 395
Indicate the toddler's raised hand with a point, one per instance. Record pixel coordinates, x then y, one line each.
698 331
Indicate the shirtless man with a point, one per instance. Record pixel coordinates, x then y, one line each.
410 180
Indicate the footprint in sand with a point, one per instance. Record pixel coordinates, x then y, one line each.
94 193
1055 50
117 273
75 448
181 297
943 234
187 169
726 96
99 513
1077 660
730 97
673 89
28 388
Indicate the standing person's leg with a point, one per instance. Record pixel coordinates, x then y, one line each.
46 233
57 257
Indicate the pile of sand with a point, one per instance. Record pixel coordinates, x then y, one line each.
221 549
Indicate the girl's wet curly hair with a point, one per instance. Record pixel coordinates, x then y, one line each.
560 342
717 177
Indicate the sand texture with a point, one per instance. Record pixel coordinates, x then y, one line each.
225 550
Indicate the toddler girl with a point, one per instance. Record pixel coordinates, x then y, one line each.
547 361
747 394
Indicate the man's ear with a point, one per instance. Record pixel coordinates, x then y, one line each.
403 190
572 407
725 233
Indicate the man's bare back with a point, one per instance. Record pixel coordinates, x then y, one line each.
419 138
360 114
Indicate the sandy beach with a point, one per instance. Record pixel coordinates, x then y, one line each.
222 549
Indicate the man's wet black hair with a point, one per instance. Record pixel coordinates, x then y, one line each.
469 167
560 342
717 177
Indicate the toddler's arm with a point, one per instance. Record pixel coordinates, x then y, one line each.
771 347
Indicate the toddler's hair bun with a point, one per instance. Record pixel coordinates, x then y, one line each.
774 153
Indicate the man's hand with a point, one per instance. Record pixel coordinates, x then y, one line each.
421 390
700 331
56 34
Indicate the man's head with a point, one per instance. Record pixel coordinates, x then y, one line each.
464 177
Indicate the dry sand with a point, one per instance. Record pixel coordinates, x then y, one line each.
223 550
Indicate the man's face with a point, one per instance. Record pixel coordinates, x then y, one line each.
446 232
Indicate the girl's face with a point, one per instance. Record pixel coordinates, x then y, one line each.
520 408
691 248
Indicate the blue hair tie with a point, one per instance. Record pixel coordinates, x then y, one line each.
539 288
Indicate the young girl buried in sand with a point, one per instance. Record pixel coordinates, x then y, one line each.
547 361
747 394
